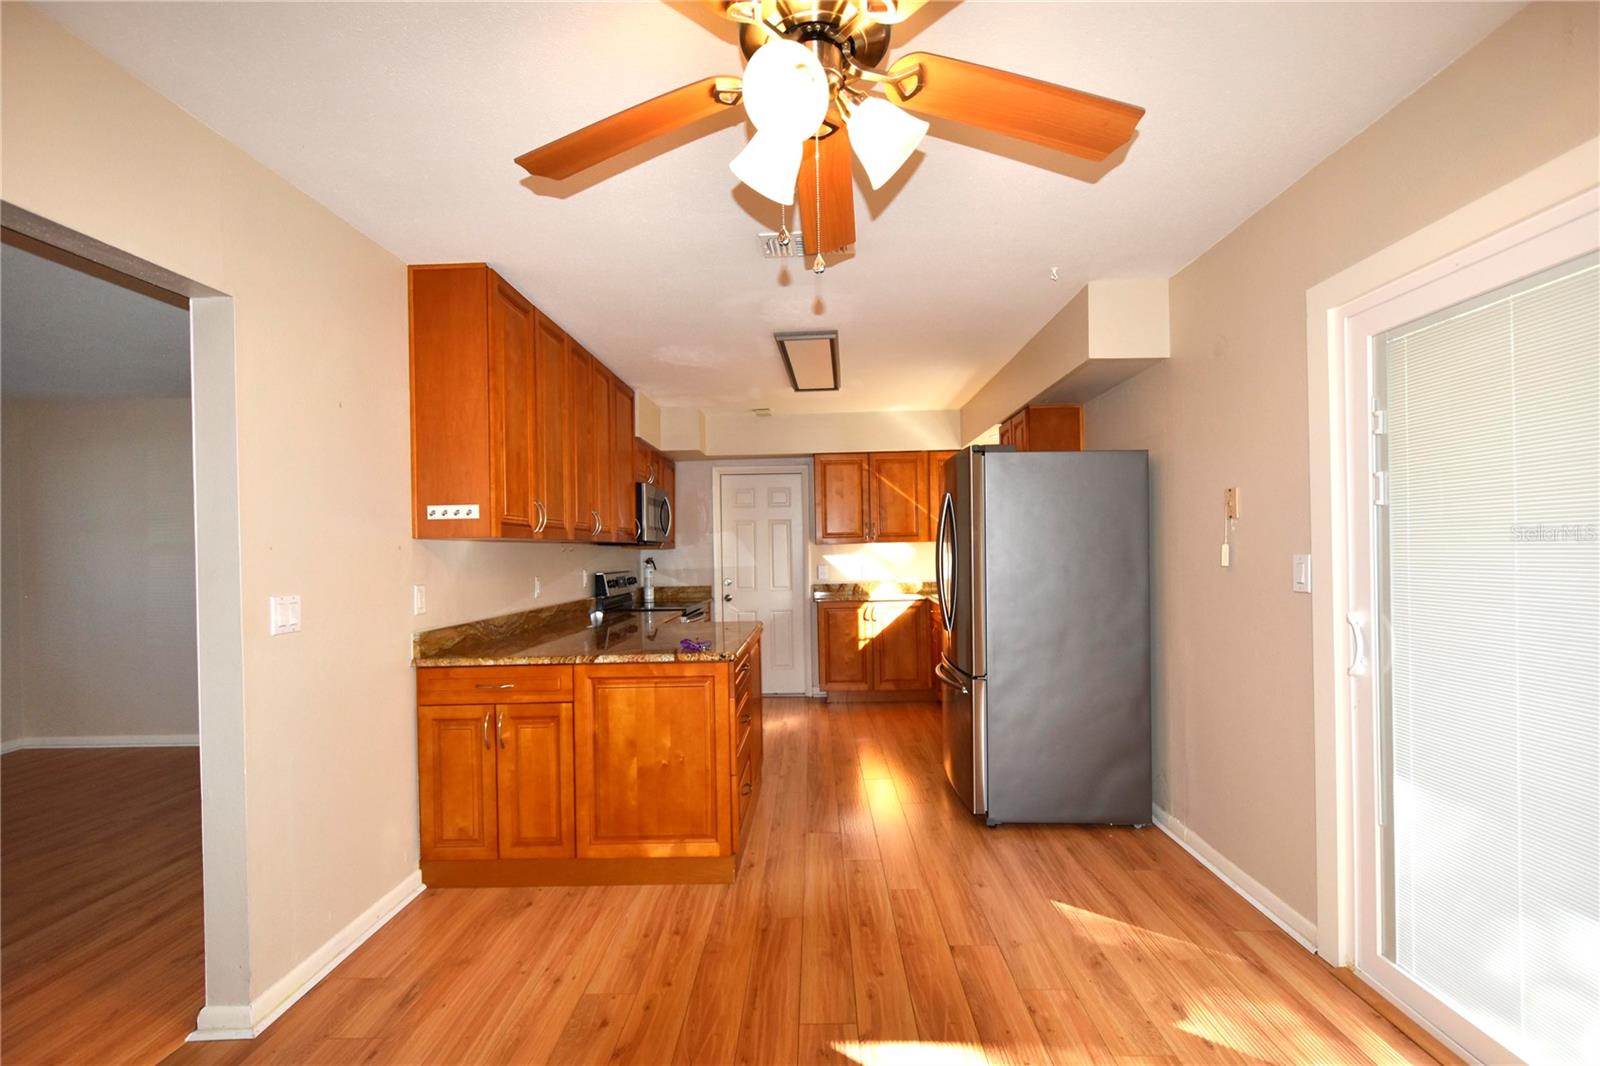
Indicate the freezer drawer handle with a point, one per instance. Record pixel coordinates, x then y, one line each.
951 678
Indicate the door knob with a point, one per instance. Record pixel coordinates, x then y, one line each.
727 582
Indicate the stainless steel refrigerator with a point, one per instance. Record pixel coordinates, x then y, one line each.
1043 567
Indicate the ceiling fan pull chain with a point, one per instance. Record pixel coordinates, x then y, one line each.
784 238
817 264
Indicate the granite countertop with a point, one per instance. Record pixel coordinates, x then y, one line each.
562 635
875 590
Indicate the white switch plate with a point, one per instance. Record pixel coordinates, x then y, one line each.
537 587
1227 553
419 599
285 615
452 512
1302 573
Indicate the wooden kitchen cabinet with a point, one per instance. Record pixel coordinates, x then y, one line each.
898 499
936 461
842 643
1045 427
654 761
534 793
877 496
456 768
841 487
613 773
875 646
554 457
624 520
512 417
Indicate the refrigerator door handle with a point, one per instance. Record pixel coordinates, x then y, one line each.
948 675
947 601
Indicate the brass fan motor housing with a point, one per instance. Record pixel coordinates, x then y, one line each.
816 23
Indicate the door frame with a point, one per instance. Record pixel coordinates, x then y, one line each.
219 616
1552 195
802 558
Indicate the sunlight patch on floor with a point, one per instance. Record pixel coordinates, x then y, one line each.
910 1053
1113 932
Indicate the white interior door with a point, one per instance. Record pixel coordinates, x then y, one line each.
1475 604
762 530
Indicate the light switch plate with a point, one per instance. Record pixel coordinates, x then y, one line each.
419 599
285 615
1302 573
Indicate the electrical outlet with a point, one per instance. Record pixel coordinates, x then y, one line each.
537 588
583 580
284 614
419 599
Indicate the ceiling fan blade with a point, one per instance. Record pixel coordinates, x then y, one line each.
1067 120
891 12
628 129
831 155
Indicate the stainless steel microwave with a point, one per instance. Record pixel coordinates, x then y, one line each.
654 513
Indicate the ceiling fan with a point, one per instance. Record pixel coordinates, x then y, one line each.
813 71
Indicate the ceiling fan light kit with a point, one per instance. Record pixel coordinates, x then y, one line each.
811 66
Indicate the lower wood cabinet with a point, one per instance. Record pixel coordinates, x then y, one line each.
875 646
653 761
595 773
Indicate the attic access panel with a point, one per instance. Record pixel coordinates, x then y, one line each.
811 358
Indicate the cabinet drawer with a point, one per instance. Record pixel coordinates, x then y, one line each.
493 684
746 720
744 790
743 672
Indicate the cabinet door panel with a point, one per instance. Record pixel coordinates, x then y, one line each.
843 644
456 771
841 488
899 496
600 444
535 778
653 764
624 526
936 461
902 660
511 410
553 474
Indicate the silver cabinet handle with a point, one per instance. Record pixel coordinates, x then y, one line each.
650 474
486 715
544 516
596 530
508 684
500 726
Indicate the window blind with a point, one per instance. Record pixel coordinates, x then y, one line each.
1489 549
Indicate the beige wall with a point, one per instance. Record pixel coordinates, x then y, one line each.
1233 664
98 569
804 435
319 324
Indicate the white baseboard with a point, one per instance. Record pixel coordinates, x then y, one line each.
245 1021
1291 921
151 740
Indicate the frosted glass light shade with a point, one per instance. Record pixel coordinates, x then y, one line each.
785 89
883 137
770 164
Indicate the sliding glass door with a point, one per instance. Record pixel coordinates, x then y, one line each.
1478 724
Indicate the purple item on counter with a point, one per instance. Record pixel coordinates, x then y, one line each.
694 645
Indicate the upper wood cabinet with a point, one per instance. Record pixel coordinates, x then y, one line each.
898 499
1045 427
936 461
554 458
876 496
624 520
841 497
511 416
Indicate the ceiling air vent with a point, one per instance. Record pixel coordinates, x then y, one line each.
771 249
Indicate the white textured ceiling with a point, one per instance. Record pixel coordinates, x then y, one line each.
66 334
404 119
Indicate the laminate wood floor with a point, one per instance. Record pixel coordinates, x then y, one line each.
873 921
101 945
